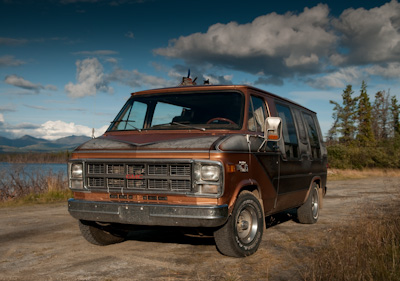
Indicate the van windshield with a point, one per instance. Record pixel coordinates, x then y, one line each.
181 111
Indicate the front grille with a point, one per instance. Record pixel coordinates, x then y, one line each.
134 177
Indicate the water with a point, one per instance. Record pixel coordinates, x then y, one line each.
32 168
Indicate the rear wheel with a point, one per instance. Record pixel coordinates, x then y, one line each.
241 235
309 212
101 234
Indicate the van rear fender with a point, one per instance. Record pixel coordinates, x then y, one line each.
317 180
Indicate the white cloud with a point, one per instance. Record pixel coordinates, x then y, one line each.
391 70
370 35
338 79
50 130
96 53
20 82
134 78
130 34
8 60
90 78
12 41
277 45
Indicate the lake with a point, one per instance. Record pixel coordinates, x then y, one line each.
32 168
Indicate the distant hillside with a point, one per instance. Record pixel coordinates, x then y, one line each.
32 144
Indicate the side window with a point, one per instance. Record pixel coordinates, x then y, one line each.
300 126
257 114
312 135
288 131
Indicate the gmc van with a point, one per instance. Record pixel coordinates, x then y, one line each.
217 158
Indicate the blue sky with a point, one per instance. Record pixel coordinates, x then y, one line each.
67 66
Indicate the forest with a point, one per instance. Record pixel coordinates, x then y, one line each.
365 133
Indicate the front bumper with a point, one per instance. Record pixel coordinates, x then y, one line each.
149 214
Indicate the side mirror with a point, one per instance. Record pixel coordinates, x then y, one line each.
273 129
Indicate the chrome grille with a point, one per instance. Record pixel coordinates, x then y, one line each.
139 177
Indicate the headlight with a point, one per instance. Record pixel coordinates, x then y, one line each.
76 170
76 176
210 173
208 178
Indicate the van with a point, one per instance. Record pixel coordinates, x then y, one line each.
215 158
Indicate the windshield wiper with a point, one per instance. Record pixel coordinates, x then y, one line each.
189 126
127 122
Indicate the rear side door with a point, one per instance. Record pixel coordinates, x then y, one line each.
295 175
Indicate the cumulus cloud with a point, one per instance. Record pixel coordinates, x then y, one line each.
91 79
12 41
338 79
50 130
96 53
20 82
8 60
130 34
275 45
390 70
134 78
370 36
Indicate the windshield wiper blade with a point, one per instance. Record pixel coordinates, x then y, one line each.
127 122
189 126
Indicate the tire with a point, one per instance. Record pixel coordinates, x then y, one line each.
308 213
241 235
100 235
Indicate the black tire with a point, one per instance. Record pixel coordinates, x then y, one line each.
100 235
308 213
241 235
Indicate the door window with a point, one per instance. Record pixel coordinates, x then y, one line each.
288 131
312 135
257 114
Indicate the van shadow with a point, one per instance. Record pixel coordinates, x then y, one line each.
171 235
198 236
279 218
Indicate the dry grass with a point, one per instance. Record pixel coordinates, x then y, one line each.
366 249
338 174
18 187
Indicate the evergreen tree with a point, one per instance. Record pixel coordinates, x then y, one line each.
395 116
380 115
344 117
365 135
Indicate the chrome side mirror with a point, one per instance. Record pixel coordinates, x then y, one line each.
273 129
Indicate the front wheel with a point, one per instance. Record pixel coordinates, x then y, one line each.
241 235
309 212
100 234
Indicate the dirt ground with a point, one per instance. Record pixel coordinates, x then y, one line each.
43 242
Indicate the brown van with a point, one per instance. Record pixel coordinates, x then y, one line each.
216 158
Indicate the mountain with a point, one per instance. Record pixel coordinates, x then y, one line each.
32 144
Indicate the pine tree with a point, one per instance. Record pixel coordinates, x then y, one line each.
344 117
395 116
365 135
380 115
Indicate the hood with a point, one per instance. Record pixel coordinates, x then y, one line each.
151 142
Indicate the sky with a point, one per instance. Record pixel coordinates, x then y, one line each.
67 66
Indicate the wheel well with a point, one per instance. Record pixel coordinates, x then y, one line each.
253 189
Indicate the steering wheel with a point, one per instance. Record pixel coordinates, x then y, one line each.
221 119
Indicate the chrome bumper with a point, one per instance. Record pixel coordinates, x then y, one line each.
149 214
